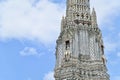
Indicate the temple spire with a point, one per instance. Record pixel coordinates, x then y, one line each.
62 23
79 47
94 18
77 7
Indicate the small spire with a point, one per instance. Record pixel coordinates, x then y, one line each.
93 9
94 12
62 23
94 18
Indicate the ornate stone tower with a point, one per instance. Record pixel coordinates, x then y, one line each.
80 49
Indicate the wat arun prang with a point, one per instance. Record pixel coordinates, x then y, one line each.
80 48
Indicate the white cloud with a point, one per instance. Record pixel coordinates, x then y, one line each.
29 51
29 79
118 34
19 19
118 54
106 10
49 76
110 46
116 78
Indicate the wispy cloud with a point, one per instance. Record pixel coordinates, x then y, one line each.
116 78
41 21
110 46
21 20
119 35
29 79
49 76
106 10
118 54
30 51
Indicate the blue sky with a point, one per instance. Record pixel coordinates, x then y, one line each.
29 29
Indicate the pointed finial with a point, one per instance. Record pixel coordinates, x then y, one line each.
94 18
93 11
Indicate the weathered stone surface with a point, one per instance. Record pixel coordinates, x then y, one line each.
80 48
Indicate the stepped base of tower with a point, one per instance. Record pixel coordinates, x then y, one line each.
76 69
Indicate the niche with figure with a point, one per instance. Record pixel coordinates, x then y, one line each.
67 45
